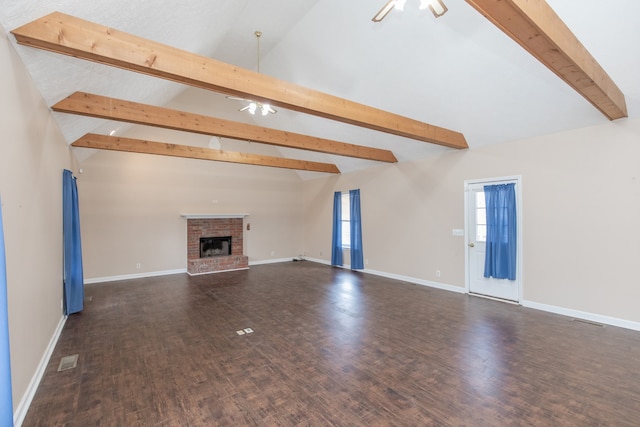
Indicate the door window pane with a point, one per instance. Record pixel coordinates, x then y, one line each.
481 217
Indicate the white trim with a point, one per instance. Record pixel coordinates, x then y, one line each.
422 282
318 260
344 266
473 294
27 397
592 317
213 216
217 271
496 179
270 261
414 280
133 276
520 225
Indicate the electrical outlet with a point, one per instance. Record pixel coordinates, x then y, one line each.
437 273
138 266
273 253
366 261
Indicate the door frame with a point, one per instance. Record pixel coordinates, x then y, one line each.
517 179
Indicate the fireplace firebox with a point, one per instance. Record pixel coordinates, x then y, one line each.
215 246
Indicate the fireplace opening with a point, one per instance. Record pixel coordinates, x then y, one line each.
215 246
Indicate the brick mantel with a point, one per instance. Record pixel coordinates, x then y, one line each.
215 225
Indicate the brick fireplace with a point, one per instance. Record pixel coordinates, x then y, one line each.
207 228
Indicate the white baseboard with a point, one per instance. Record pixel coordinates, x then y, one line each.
422 282
25 402
398 277
270 261
319 261
133 276
591 317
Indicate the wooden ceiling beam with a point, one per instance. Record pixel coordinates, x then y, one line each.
130 145
72 36
538 29
103 107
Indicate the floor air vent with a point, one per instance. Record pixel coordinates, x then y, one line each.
588 322
68 362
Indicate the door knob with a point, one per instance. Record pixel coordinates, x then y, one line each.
471 244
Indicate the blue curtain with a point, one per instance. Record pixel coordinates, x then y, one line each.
73 275
6 403
336 244
500 258
355 222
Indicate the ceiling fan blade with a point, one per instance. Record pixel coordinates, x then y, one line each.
384 11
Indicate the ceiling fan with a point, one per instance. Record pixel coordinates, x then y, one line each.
254 107
437 7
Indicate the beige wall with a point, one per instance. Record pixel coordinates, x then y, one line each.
130 207
581 197
32 156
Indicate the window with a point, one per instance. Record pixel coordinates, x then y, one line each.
481 217
346 219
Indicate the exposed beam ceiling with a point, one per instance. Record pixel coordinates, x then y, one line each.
537 28
87 104
105 142
83 39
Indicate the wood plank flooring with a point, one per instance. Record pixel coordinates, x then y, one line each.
330 348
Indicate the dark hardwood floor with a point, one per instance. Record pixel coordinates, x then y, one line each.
329 347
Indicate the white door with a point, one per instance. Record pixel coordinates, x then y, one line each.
476 242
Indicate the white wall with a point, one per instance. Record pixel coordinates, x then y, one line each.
33 154
581 197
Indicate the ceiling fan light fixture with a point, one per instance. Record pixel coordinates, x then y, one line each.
255 107
384 11
399 4
437 8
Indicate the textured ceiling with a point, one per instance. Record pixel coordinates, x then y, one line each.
459 71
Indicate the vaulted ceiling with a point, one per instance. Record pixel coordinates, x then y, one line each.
459 74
